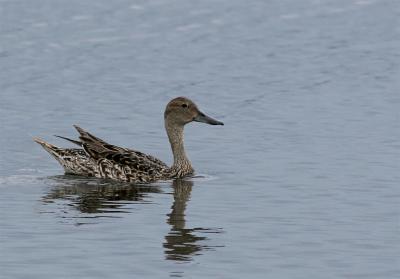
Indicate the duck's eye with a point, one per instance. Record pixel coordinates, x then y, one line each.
184 105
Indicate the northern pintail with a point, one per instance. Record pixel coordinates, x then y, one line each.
100 159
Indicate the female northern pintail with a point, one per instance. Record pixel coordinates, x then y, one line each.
99 159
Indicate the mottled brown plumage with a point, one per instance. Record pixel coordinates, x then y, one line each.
100 159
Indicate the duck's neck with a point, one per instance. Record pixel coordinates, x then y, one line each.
182 165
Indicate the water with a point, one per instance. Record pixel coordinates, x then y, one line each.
301 182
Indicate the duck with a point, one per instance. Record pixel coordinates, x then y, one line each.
96 158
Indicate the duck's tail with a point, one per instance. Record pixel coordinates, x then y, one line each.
57 152
73 160
70 140
52 149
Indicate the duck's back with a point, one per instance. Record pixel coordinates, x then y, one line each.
122 164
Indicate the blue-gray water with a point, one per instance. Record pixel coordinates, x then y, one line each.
302 181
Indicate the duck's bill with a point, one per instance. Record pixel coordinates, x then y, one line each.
201 117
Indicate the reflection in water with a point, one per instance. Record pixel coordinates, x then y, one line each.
95 198
182 243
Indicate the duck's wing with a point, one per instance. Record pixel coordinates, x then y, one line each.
96 145
121 163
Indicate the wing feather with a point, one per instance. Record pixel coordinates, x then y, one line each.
127 164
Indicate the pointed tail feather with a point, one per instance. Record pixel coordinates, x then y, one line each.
52 149
67 158
70 140
49 147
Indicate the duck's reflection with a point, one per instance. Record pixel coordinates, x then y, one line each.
94 198
97 196
182 243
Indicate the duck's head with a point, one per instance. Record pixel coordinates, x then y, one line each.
181 111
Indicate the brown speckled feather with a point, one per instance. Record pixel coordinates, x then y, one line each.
121 163
73 160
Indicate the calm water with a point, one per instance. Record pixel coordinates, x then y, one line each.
302 181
